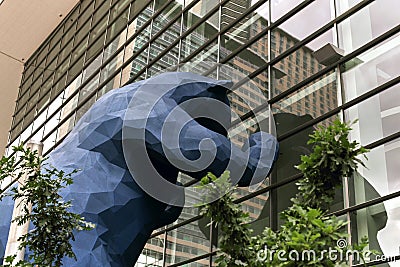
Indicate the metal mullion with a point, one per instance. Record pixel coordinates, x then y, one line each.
175 226
297 177
194 259
112 21
52 76
163 30
207 16
148 44
338 109
341 101
237 201
218 44
309 38
165 248
79 28
51 49
324 71
270 187
34 79
180 40
260 35
83 67
103 47
91 59
66 43
48 78
292 179
225 30
123 47
272 26
366 204
91 94
133 37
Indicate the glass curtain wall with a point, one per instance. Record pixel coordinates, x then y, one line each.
103 45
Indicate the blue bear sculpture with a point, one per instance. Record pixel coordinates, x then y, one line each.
104 190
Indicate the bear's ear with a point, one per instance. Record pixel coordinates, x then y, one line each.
221 87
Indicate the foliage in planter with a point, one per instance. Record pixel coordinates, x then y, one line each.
53 223
307 225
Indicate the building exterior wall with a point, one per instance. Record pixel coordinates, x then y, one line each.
107 44
22 30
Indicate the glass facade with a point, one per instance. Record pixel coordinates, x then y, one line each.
105 44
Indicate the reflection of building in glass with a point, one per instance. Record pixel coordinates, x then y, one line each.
105 44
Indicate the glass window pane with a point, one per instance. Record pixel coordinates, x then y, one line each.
58 88
38 123
197 12
81 37
197 38
51 123
118 8
137 6
166 16
165 40
295 68
101 11
164 63
96 40
380 176
82 110
313 100
377 116
245 30
136 44
65 52
69 107
49 142
138 63
152 254
117 26
372 68
188 241
85 13
380 223
281 7
88 88
344 5
114 45
368 23
204 60
75 69
112 84
65 128
112 66
301 25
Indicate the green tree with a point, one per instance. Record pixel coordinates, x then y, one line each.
53 222
308 227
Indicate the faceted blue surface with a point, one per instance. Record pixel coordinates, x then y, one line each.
104 191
